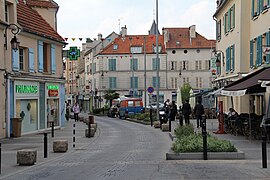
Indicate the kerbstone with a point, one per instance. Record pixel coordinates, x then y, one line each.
60 146
26 157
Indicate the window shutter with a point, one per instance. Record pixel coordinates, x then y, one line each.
114 83
252 9
114 64
251 54
53 64
233 16
31 60
15 60
227 60
154 82
136 82
224 23
154 64
233 58
135 64
229 19
267 44
131 64
131 82
260 50
258 6
217 33
40 56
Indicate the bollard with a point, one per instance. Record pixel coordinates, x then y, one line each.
89 129
52 129
204 134
0 158
45 145
170 124
74 135
151 117
264 152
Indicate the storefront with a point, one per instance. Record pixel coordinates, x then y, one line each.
52 104
26 105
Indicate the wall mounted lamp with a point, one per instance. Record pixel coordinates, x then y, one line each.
15 29
219 58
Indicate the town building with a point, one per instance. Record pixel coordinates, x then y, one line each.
242 38
31 75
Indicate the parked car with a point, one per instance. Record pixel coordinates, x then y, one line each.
154 106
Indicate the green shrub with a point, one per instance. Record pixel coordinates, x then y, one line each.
188 141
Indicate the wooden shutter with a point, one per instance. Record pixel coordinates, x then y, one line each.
53 64
31 60
15 60
40 56
251 54
268 44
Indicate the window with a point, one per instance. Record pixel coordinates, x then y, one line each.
230 60
258 6
130 103
21 59
198 65
198 82
9 12
70 65
218 30
136 49
174 84
133 64
155 64
207 64
134 82
173 65
115 46
229 20
112 82
6 12
112 64
155 49
155 82
185 65
46 57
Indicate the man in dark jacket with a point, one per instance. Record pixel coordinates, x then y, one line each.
186 109
173 111
199 111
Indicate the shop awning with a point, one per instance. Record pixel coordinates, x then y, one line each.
215 93
248 84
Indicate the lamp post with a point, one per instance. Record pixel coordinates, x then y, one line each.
158 64
14 42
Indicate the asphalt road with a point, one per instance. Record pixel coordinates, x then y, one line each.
127 150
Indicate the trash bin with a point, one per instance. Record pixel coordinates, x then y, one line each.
16 127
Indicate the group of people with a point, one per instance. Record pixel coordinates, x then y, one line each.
185 111
75 109
170 109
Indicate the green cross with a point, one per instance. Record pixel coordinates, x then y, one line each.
73 53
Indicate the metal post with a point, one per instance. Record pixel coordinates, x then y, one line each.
204 134
0 158
45 145
74 135
144 50
264 151
170 125
53 129
158 62
89 129
151 116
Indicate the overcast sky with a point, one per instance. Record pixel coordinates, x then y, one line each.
87 18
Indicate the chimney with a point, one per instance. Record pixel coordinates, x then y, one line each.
192 31
124 31
99 36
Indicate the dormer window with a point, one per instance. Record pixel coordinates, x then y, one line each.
159 48
115 46
136 49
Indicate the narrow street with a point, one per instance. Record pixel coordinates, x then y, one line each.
127 150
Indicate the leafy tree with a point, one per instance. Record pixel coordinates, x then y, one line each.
110 95
185 91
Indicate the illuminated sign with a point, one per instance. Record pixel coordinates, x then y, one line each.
52 93
26 89
73 53
52 87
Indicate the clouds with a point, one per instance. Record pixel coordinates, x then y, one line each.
87 18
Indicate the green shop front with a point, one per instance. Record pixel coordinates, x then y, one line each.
37 104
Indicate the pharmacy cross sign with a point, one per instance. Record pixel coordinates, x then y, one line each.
73 53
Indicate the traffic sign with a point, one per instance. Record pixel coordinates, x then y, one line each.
150 89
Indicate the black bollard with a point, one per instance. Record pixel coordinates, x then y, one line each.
204 134
0 158
264 152
52 129
74 135
151 117
170 124
45 145
89 129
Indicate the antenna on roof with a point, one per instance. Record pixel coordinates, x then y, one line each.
153 14
119 24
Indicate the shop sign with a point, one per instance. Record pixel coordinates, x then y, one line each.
53 87
26 89
52 93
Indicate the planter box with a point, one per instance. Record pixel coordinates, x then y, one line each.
210 156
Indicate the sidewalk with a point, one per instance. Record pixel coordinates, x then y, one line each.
36 141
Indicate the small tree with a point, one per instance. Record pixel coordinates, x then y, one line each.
185 91
111 95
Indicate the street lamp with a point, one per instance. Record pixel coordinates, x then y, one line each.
14 42
217 55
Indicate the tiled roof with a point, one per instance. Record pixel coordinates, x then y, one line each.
46 4
179 38
124 44
31 21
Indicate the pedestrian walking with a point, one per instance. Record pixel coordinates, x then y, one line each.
173 111
76 110
199 111
67 111
186 109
